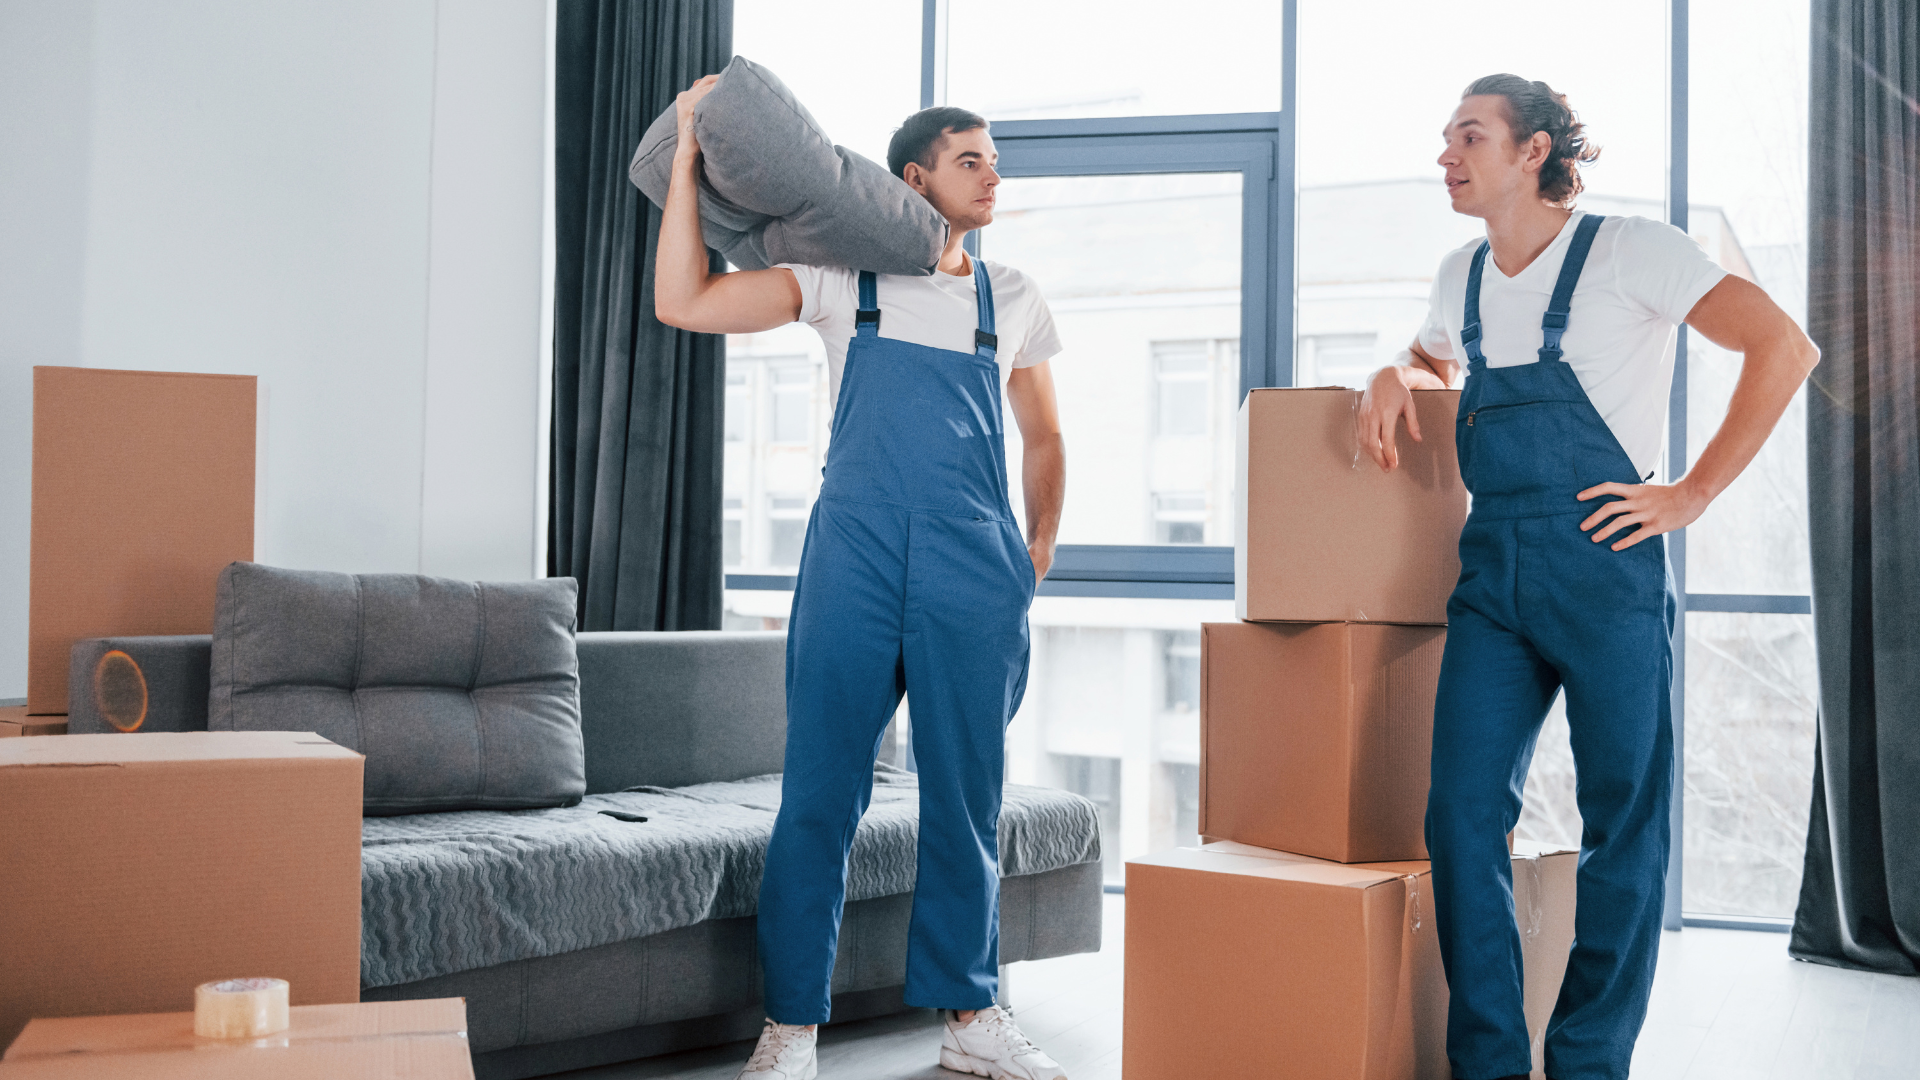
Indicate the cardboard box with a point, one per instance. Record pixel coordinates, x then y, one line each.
415 1040
14 721
142 492
1315 737
1248 964
138 866
1323 534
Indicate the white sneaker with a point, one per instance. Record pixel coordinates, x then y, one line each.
785 1052
990 1045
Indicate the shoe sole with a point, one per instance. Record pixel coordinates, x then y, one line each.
967 1063
813 1071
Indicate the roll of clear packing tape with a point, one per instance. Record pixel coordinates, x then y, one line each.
240 1008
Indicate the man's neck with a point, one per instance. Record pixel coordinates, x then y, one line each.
954 259
1518 234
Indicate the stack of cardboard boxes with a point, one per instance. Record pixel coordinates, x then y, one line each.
1299 939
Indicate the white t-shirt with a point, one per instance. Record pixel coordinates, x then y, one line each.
938 311
1641 280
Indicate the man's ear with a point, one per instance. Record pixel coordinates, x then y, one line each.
1539 145
915 176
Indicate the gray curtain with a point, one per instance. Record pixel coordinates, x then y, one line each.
1860 897
637 405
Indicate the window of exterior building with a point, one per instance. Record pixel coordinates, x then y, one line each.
1182 381
786 529
792 410
1180 517
732 531
739 403
1338 360
1181 653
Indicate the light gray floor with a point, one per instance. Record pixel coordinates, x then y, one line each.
1726 1003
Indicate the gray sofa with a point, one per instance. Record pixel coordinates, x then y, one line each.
549 922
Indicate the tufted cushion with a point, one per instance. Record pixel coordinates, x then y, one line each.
462 696
775 189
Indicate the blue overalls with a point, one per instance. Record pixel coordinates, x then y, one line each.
914 577
1540 607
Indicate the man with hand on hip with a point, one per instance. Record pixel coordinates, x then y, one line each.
1564 324
914 578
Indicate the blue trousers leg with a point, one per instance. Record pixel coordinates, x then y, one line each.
1539 607
844 680
1618 673
969 584
1494 692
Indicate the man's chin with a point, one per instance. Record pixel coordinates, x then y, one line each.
968 222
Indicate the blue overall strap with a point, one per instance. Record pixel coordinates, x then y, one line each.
985 341
866 320
1554 323
1470 330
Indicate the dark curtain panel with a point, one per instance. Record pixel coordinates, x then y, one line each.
637 405
1860 898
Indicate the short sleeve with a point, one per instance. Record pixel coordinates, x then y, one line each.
1042 340
1661 269
1433 337
821 288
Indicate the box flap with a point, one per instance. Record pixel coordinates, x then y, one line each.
1279 866
148 747
174 1031
1534 849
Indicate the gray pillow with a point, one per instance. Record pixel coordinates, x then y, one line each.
775 189
463 696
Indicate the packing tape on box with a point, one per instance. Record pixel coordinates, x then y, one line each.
240 1008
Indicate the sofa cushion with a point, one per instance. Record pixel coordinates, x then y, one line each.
775 189
462 695
456 892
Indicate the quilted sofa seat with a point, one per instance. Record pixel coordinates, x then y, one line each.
445 893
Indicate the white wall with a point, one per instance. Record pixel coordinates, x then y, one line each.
341 198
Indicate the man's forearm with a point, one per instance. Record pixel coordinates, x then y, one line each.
680 262
1044 481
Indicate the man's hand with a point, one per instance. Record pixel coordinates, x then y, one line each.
1042 555
1656 508
687 147
685 293
1387 399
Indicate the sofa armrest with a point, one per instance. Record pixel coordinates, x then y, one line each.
176 669
683 707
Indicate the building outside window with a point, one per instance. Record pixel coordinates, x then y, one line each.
1339 360
1182 379
732 532
786 529
1180 517
792 411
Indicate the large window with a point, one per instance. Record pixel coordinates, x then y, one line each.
1142 273
1197 234
1750 681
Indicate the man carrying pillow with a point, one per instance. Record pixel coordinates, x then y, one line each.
1564 323
914 578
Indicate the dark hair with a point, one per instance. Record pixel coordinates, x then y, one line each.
1534 107
918 139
